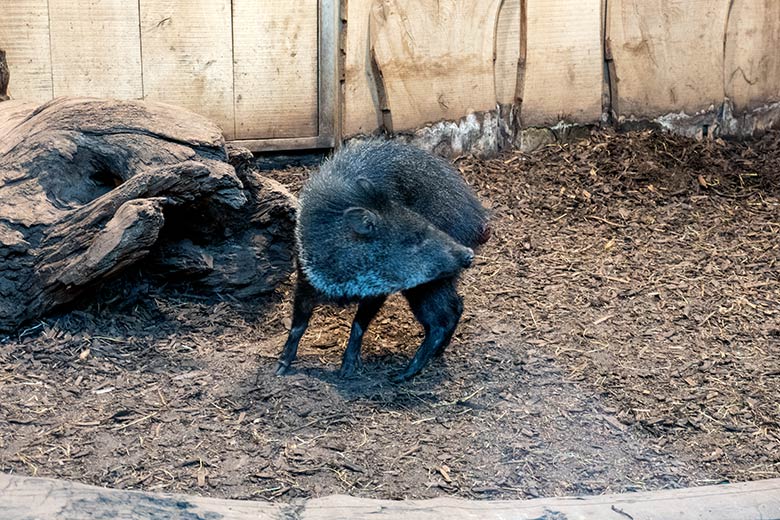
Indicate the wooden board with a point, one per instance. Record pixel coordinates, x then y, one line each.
435 58
507 54
27 498
752 53
24 35
187 56
668 55
329 57
361 114
287 143
563 78
23 498
276 69
95 48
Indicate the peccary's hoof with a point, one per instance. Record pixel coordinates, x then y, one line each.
349 370
282 368
400 378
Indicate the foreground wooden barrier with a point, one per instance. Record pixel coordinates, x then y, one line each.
27 498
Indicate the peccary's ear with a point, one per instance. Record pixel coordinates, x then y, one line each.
361 220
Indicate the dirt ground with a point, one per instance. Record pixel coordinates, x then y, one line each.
621 332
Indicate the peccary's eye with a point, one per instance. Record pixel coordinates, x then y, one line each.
413 239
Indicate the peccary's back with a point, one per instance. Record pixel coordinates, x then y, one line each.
422 182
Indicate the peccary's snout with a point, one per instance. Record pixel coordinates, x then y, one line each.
466 257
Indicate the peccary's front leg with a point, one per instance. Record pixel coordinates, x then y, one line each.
438 307
303 307
367 310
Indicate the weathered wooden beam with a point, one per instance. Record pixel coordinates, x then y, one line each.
27 498
286 143
329 86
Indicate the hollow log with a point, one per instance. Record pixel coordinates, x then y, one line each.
89 187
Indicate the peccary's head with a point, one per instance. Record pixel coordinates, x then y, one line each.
355 242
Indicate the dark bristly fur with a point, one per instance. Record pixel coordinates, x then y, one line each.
382 217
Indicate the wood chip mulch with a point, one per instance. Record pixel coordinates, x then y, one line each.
621 332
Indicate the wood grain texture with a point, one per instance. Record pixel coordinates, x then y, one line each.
24 35
276 70
23 498
361 113
13 112
435 58
287 143
70 501
187 57
564 65
507 50
752 54
329 63
668 55
95 48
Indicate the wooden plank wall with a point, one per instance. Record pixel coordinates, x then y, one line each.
24 35
422 62
276 68
416 65
564 67
689 55
508 50
252 65
95 48
188 56
428 74
668 54
249 65
360 113
752 64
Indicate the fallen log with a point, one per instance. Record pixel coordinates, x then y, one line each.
89 187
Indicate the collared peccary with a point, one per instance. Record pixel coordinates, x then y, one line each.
381 217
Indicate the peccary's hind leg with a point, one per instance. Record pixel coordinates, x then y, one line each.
437 306
303 306
366 311
456 306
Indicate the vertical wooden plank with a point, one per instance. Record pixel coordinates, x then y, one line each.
361 113
564 62
95 48
752 60
507 50
435 58
668 55
187 57
275 71
24 35
329 53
